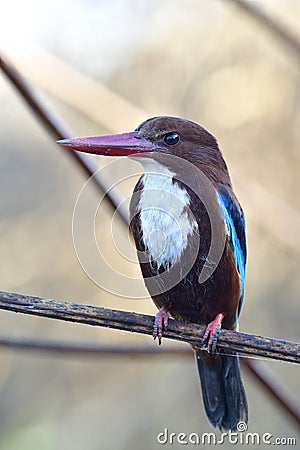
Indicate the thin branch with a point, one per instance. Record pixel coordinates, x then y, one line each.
258 369
274 387
278 29
141 323
55 126
88 348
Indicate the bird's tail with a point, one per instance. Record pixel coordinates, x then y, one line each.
223 392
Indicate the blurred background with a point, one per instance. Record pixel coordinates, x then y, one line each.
105 67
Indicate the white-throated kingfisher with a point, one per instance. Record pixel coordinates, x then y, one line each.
189 230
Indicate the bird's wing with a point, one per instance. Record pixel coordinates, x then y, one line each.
236 229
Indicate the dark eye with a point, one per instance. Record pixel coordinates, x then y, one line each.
171 138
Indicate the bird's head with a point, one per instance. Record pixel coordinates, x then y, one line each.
155 138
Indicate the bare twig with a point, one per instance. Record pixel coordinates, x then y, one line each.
258 369
141 323
55 126
278 29
274 387
88 348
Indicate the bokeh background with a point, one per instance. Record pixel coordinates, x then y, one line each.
105 67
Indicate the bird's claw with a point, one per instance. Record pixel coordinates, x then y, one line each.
160 323
212 332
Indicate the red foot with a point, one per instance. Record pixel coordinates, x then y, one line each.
212 332
160 323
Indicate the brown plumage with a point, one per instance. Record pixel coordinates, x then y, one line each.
222 388
195 271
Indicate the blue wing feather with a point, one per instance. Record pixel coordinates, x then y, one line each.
236 229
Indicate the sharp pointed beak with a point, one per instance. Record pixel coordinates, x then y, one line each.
125 144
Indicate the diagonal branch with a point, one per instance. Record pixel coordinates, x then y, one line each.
140 323
55 126
278 29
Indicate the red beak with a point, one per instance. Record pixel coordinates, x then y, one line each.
124 144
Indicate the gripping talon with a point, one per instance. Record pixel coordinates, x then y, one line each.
212 332
160 323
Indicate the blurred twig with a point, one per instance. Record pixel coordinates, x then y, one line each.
88 348
258 369
58 130
274 387
141 323
278 29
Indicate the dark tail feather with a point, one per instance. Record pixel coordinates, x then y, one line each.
223 392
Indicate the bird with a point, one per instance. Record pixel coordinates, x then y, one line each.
189 231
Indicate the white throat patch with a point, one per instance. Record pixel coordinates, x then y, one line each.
164 207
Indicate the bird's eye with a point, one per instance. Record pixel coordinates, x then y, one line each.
171 138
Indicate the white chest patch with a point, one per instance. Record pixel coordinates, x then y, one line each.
165 221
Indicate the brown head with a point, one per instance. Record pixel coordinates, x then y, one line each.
158 136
